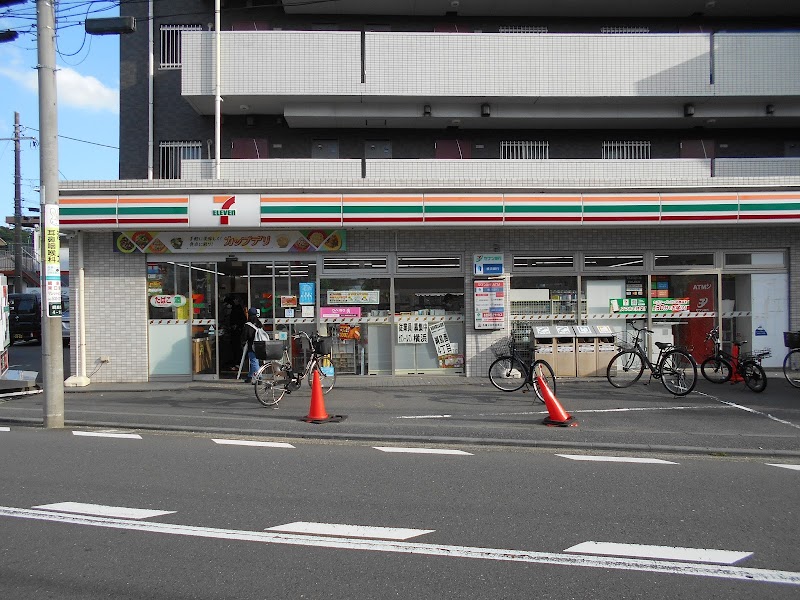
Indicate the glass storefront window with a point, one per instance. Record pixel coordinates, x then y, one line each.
546 298
203 279
693 297
543 262
428 336
613 261
761 259
684 260
344 303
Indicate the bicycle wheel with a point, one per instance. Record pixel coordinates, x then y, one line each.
508 373
542 368
327 374
716 369
791 367
754 376
269 386
625 369
678 372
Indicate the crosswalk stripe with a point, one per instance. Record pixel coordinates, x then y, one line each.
792 467
357 531
100 510
416 548
624 459
420 450
251 443
130 436
701 555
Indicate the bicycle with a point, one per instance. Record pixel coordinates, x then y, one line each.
722 366
675 367
508 372
791 362
276 378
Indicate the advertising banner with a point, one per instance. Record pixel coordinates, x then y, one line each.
198 242
490 304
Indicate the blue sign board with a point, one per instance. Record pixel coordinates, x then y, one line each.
308 293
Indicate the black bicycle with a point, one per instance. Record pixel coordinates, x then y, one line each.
674 366
791 362
721 366
509 372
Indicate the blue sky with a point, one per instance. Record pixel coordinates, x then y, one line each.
88 98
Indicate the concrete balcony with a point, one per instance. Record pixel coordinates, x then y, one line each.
328 75
499 174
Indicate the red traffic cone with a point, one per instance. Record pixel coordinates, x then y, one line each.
558 416
317 412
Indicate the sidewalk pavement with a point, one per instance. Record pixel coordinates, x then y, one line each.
720 420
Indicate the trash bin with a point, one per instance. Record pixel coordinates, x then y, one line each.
543 343
606 349
587 356
566 362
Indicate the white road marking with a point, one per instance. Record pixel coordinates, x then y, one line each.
121 512
700 555
524 556
5 428
750 410
131 436
624 459
420 450
426 417
792 467
356 531
252 443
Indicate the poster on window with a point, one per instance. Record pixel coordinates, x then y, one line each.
490 304
412 332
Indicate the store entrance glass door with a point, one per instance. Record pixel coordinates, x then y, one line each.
232 299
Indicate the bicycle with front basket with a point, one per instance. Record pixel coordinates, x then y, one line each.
276 378
791 363
509 372
721 365
674 366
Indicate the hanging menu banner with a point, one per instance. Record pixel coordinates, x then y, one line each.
490 304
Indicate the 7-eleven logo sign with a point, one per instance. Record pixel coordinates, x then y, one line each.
224 211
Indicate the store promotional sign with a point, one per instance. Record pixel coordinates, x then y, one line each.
440 339
332 312
412 332
168 300
490 304
488 264
308 293
657 305
197 242
354 297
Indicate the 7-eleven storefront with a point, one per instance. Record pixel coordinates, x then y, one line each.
413 283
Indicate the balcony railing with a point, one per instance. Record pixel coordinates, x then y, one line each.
293 65
492 174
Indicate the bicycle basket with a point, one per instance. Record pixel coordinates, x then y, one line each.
271 350
624 340
321 345
791 339
503 347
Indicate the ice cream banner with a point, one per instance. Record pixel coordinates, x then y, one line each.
197 242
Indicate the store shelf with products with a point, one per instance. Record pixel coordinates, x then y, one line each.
344 355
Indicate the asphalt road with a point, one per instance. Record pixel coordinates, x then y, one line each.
482 522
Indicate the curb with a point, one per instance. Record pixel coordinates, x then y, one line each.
437 440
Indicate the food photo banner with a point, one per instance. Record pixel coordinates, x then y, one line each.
198 242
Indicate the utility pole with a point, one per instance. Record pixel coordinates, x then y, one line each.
18 137
17 209
52 350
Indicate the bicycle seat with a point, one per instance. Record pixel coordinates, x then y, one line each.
663 345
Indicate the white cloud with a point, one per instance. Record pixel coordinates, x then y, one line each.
74 89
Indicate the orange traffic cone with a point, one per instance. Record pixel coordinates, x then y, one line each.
317 412
558 416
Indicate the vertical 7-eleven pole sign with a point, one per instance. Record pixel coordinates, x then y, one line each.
52 261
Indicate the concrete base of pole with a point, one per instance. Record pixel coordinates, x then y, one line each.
77 381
